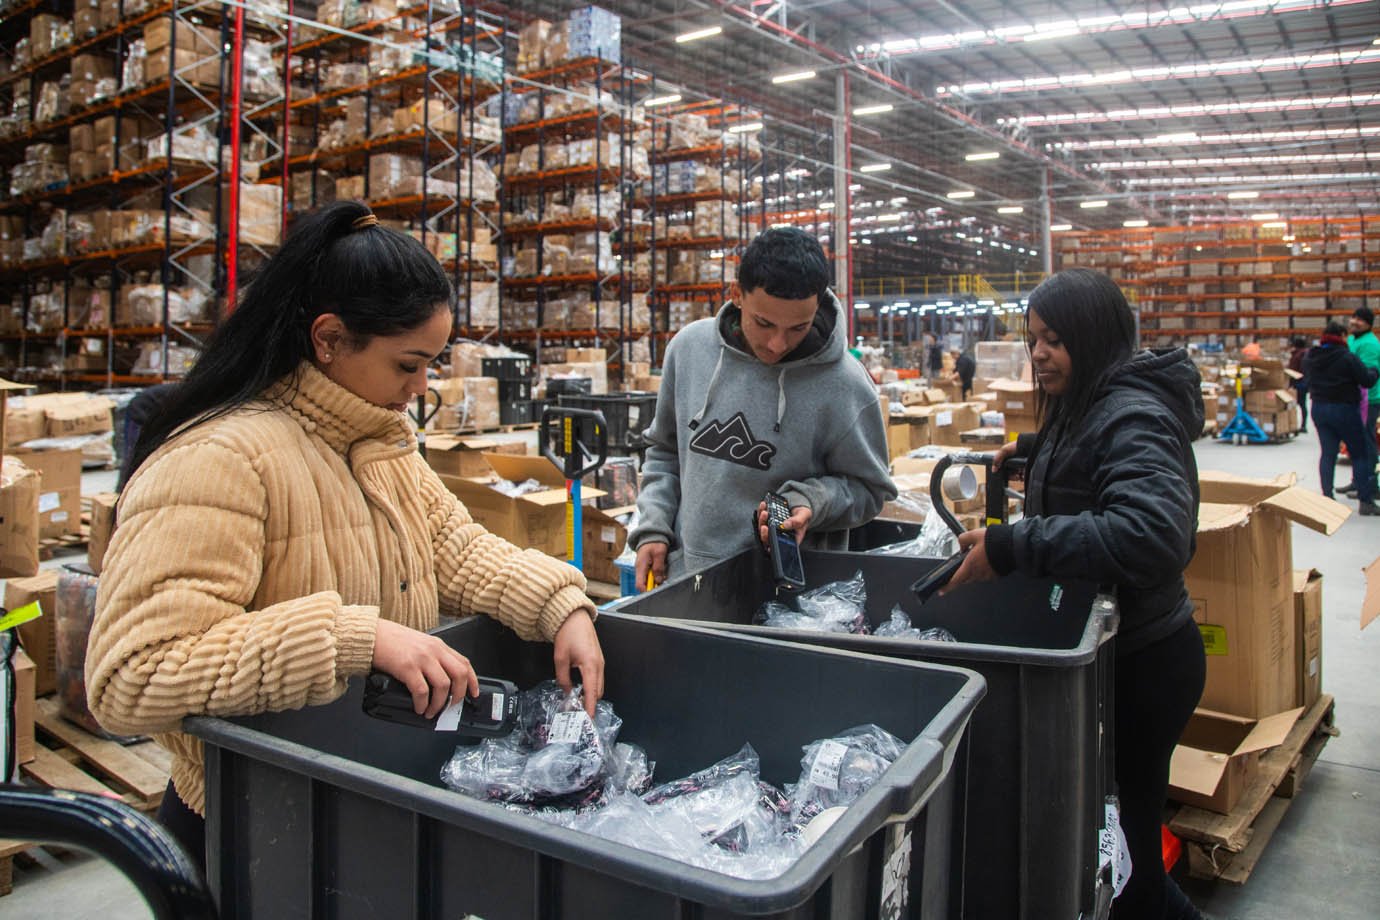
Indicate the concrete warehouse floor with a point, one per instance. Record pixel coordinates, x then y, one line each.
1323 861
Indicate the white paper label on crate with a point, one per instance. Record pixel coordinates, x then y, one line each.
1015 406
1112 850
496 707
1270 426
607 535
566 727
943 419
824 772
449 719
896 882
59 517
49 501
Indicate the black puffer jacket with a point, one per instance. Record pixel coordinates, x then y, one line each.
1336 375
1116 500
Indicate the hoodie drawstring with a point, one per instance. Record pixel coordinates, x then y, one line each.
780 398
709 394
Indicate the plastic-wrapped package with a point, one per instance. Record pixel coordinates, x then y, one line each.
516 489
132 74
75 610
837 771
837 607
899 627
935 541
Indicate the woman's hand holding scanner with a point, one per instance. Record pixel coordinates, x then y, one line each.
975 566
426 666
577 646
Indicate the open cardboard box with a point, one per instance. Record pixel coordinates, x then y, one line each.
1218 754
452 455
535 520
1308 633
1241 583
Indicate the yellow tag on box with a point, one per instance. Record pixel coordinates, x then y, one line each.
1214 639
30 611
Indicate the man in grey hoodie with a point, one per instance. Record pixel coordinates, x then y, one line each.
763 397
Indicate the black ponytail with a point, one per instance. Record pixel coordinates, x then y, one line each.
336 260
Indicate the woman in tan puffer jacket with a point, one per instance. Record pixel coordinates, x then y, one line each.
281 533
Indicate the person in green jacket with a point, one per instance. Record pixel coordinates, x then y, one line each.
1365 346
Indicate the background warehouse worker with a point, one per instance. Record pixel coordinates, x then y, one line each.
762 397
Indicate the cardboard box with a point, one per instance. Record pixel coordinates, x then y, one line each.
19 491
23 708
535 520
158 34
1270 402
81 415
24 423
39 636
102 527
898 436
1268 374
59 498
450 455
1308 633
605 538
1014 397
1218 753
481 402
950 420
1241 585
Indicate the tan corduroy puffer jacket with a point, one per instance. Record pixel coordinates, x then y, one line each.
256 552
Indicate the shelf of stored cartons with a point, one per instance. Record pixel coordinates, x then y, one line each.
385 105
702 164
569 164
1238 280
113 231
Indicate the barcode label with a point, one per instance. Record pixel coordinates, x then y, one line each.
824 772
496 710
943 419
449 719
1214 639
566 727
49 501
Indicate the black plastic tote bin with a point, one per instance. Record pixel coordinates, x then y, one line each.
627 415
1041 760
878 533
324 812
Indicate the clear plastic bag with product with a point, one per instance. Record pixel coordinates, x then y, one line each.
899 627
934 541
517 489
836 771
838 607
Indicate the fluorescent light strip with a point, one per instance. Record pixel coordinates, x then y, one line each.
795 77
1242 196
747 128
1195 110
1092 25
874 167
661 100
1281 179
1249 137
1132 224
961 194
1090 205
874 109
1011 209
983 155
699 34
1271 215
1260 160
1195 70
1060 228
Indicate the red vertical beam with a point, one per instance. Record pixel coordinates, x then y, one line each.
287 116
232 236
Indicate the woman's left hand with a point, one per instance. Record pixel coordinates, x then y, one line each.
577 645
975 566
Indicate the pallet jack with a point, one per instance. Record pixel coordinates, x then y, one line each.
1243 428
561 444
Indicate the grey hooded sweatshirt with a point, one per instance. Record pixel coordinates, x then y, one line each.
729 428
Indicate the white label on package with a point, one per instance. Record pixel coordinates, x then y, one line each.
608 534
59 517
1015 406
943 419
449 719
896 882
566 727
496 710
824 772
1112 850
49 501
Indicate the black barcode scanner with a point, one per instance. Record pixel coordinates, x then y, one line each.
997 489
491 714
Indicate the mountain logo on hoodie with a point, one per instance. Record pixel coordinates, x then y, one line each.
733 441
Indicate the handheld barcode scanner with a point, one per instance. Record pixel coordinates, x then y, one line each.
491 714
997 493
787 568
423 413
561 444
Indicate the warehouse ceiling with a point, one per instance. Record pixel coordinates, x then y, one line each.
1168 114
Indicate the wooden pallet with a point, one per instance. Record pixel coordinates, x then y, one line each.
1228 847
69 757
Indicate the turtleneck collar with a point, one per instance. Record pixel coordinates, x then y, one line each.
339 417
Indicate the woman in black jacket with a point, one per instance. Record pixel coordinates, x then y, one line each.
1112 497
1336 380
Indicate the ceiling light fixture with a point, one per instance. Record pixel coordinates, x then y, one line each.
983 155
746 128
794 77
961 194
874 167
1011 209
874 109
1060 228
1090 205
1269 215
1242 196
1135 223
698 34
661 100
1195 110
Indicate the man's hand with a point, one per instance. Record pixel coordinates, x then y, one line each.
975 566
797 523
651 557
577 646
432 671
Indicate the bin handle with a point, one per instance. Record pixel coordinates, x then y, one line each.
158 866
917 767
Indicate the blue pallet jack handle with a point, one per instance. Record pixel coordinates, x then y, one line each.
576 460
1243 425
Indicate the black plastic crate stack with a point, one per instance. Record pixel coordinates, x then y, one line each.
514 376
627 415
